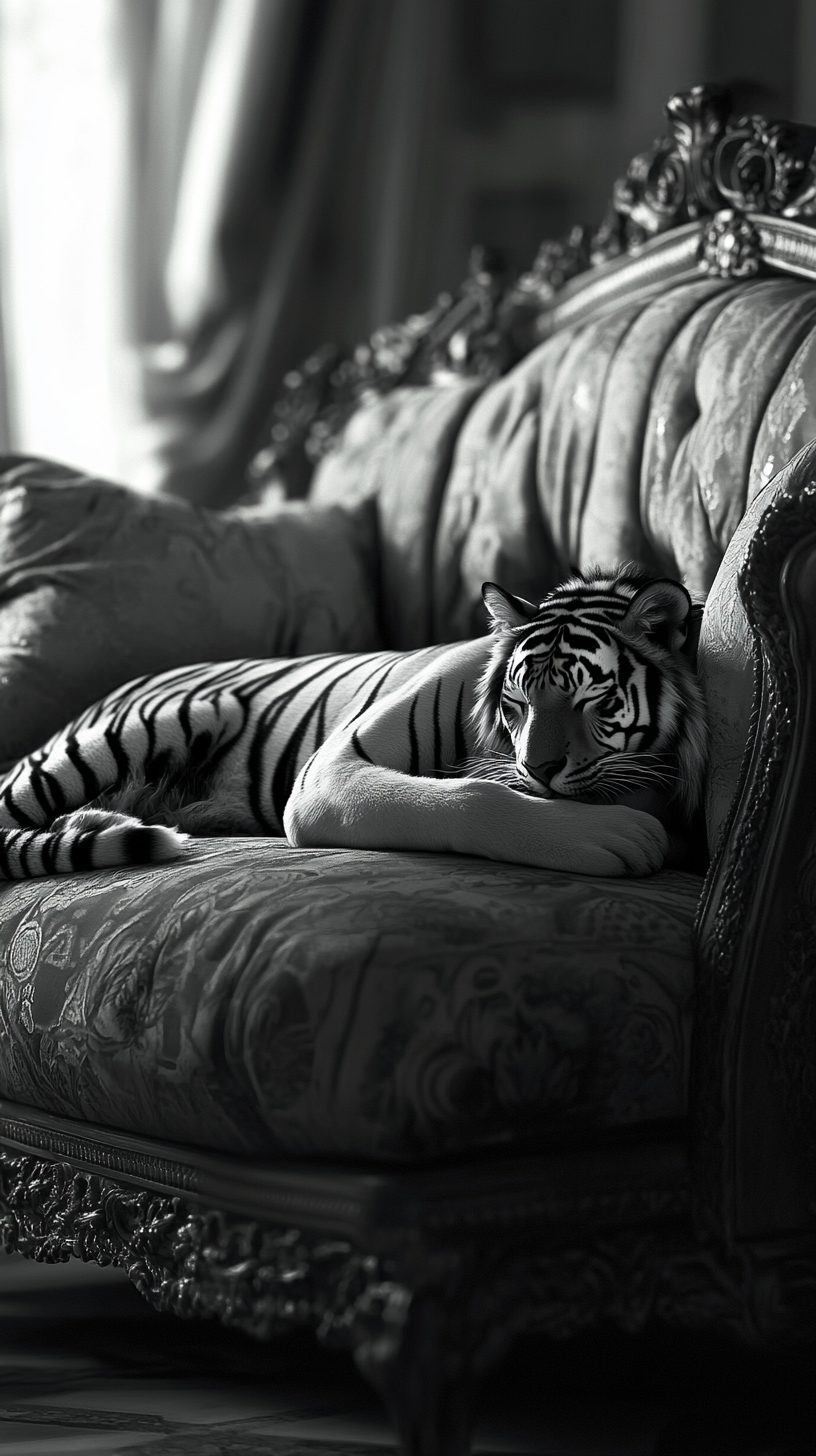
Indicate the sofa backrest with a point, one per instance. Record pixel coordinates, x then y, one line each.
674 382
641 434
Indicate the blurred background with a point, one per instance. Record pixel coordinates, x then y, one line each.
196 193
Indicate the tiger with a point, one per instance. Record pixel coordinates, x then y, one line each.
566 738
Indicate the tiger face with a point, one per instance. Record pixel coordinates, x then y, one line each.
593 693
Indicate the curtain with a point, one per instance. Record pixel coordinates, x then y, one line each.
248 178
71 386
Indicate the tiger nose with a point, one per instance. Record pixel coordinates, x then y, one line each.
545 772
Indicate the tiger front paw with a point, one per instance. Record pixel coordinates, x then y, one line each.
589 839
614 840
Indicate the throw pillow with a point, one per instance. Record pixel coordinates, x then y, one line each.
99 584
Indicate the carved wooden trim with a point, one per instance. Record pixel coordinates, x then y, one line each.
600 1187
264 1276
705 162
461 336
420 1315
758 912
337 1199
790 1035
787 247
88 1152
632 278
788 1006
260 1277
717 194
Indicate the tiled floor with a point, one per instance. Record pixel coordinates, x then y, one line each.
87 1367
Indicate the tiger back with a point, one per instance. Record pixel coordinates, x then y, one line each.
210 749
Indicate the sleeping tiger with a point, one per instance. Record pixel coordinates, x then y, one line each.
555 742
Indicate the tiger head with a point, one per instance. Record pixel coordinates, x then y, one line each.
593 692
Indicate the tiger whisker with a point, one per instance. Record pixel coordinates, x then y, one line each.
662 771
636 778
626 778
492 766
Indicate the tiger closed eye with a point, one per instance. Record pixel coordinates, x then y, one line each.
513 712
605 707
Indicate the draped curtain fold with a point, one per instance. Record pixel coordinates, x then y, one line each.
286 175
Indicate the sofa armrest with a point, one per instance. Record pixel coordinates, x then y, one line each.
755 1052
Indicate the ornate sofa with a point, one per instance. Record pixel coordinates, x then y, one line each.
418 1103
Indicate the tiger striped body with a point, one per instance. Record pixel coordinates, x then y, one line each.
208 749
423 750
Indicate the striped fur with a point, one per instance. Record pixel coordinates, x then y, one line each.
208 749
223 748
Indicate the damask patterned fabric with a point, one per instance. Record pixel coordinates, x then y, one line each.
262 1000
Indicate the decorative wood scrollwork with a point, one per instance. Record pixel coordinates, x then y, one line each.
673 181
730 246
192 1262
707 164
762 166
420 1316
790 1035
460 337
724 947
265 1278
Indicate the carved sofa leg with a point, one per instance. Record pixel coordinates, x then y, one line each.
420 1365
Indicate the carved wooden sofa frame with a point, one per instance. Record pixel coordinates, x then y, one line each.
427 1275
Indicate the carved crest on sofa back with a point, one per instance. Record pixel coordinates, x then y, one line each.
717 194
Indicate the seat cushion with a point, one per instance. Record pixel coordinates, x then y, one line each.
258 999
99 584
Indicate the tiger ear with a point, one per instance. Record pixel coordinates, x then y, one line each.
661 610
505 610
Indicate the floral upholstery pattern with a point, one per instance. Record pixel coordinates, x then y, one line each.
259 999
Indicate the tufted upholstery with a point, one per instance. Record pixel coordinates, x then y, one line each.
638 436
